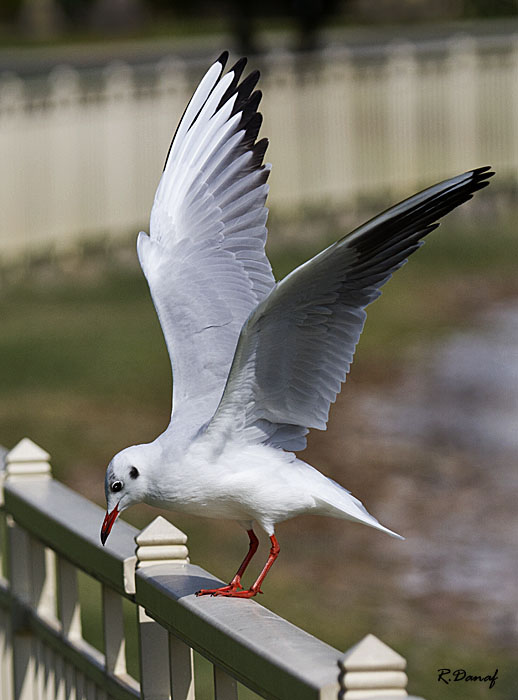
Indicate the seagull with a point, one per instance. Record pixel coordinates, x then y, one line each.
256 363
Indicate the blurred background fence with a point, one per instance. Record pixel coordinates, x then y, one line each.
81 152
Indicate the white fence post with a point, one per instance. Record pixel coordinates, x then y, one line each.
69 610
12 164
161 675
513 97
371 669
6 643
225 687
27 459
77 161
65 192
284 124
172 95
462 66
337 154
31 573
401 89
118 158
181 666
44 657
113 628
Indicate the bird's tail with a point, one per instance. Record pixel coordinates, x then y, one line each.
340 503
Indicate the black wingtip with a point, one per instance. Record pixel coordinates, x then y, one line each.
223 58
259 150
237 70
484 169
239 66
480 178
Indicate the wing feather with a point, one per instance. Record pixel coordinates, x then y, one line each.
296 349
204 259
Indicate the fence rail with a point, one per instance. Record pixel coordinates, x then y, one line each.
81 157
48 533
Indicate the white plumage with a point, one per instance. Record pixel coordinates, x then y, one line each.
255 364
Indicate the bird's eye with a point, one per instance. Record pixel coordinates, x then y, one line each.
116 486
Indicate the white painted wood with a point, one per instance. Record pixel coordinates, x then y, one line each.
43 580
161 541
20 578
337 107
225 687
13 104
372 669
154 658
401 90
24 665
113 628
50 676
40 669
70 683
27 459
181 667
462 71
513 98
333 132
258 647
90 690
80 684
120 132
6 656
282 124
3 456
64 147
75 523
68 600
59 671
236 637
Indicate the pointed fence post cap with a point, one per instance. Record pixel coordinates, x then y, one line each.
371 669
161 542
160 531
372 653
27 459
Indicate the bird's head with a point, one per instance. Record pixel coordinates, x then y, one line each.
124 485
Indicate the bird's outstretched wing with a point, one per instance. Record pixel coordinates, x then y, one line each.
296 349
204 259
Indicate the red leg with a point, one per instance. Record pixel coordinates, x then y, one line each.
235 584
256 588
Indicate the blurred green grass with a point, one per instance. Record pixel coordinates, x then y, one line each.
84 372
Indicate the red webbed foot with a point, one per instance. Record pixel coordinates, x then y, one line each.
250 593
231 589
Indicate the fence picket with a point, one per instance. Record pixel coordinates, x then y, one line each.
182 669
78 164
154 660
225 687
42 649
113 627
69 609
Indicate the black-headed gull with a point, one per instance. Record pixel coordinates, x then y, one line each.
255 363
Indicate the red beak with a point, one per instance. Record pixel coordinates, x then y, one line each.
108 524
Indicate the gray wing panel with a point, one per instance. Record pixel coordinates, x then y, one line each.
204 259
296 349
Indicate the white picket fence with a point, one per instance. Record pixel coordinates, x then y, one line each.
81 157
48 532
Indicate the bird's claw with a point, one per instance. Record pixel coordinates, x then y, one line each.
229 592
224 590
249 593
